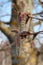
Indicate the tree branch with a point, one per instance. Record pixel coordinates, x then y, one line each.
37 23
7 32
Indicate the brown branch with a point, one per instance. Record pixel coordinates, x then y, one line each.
25 33
41 2
34 18
28 17
38 13
7 32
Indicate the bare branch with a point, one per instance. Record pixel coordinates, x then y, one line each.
38 13
25 33
37 23
7 32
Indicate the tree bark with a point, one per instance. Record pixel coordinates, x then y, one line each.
13 37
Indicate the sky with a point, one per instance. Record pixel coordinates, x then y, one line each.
5 9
